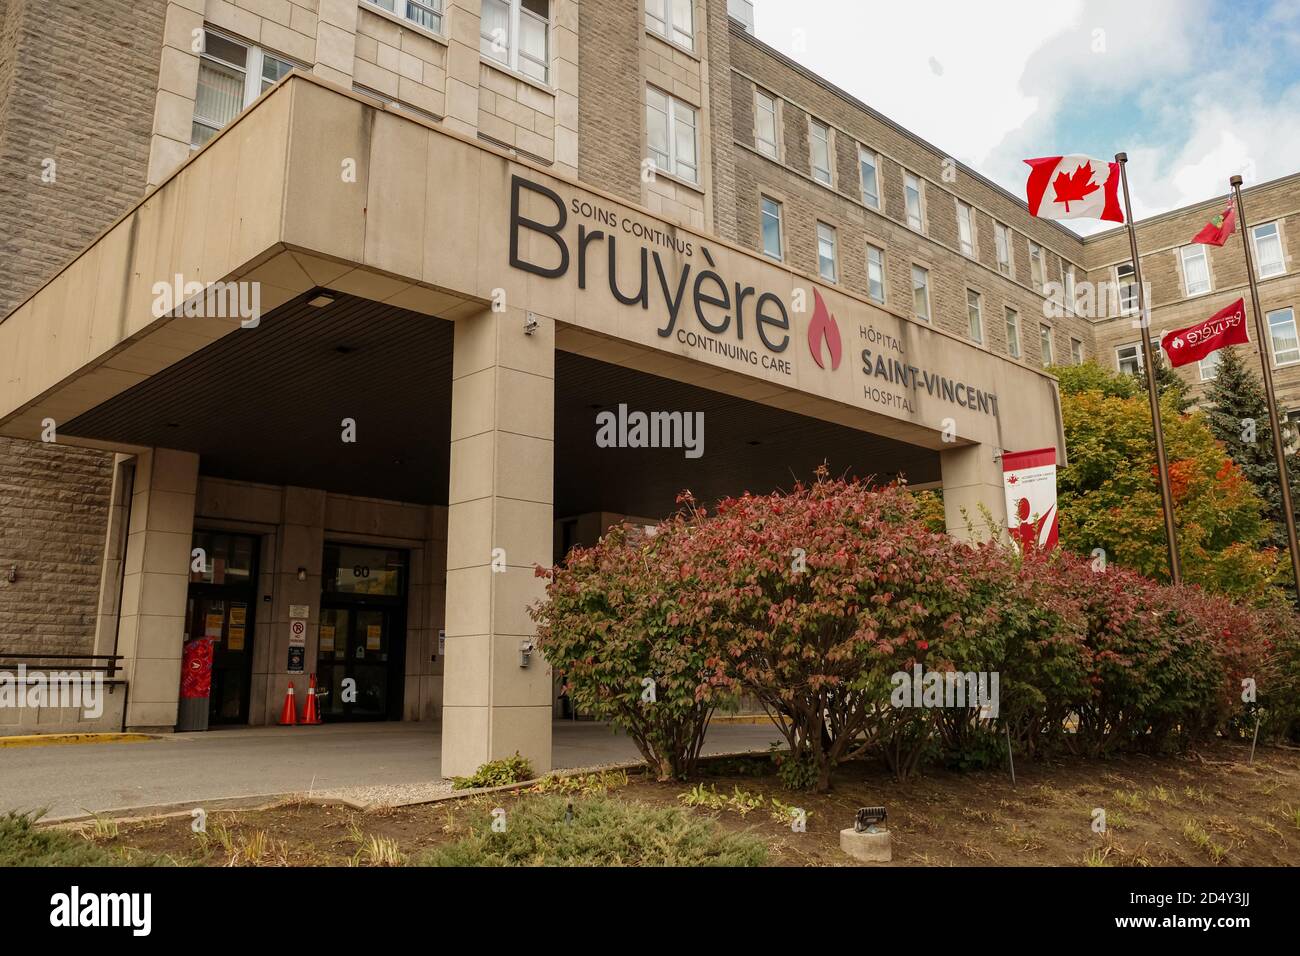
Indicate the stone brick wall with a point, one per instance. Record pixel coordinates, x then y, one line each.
611 101
52 513
77 86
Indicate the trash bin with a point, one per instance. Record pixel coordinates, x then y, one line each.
196 684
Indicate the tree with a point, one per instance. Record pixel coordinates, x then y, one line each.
1238 417
1109 498
1168 383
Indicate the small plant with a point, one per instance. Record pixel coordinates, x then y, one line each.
379 851
1098 856
105 828
742 801
496 773
255 848
795 773
785 813
702 796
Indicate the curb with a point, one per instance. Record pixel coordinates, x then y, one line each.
51 740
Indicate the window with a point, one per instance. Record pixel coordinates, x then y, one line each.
1076 351
819 142
1196 269
1002 242
231 76
1045 344
975 314
876 274
1128 290
772 228
921 292
1268 250
1128 359
1036 274
515 33
914 202
765 124
1209 365
966 228
1067 280
1013 333
869 170
670 129
826 252
1281 330
672 20
423 13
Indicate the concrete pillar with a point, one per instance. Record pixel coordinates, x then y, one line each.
500 504
300 544
155 584
336 41
110 576
972 478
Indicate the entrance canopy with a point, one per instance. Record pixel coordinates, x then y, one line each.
315 189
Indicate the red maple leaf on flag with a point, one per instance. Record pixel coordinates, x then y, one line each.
1075 186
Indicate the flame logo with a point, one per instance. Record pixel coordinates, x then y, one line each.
823 328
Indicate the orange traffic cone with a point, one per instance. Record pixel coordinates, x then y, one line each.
310 714
289 716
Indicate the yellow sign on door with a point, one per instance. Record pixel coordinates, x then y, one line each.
374 636
212 626
326 637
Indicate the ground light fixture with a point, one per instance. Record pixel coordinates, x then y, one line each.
868 819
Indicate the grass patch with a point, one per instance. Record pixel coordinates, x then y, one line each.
602 832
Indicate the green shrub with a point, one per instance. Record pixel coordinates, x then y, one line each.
496 773
22 844
603 832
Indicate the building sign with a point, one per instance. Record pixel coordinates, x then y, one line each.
691 297
1030 481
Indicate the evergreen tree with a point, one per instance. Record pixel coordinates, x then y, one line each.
1237 412
1168 382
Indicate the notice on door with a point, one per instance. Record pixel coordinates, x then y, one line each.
238 623
326 638
374 636
212 626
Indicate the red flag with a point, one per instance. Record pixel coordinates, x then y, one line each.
1225 327
1218 229
1073 187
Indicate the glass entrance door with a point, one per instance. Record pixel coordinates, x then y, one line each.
222 599
354 661
361 656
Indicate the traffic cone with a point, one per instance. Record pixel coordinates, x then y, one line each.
310 714
289 716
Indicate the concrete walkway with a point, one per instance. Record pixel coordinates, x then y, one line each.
242 762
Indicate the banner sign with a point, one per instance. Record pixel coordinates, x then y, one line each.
1029 478
1225 327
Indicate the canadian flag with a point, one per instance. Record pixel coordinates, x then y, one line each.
1073 187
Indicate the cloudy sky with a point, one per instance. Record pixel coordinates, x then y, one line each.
1193 90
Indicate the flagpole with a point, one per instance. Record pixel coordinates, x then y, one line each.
1162 463
1279 450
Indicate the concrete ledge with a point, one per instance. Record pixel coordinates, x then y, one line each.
867 847
42 740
